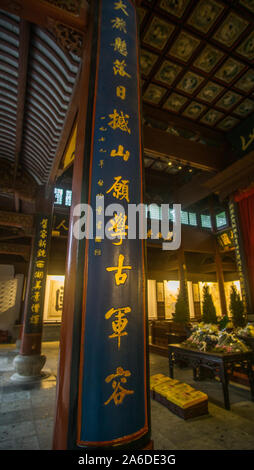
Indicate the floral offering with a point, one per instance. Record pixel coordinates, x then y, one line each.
228 342
247 331
208 338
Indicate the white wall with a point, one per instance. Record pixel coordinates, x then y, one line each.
151 299
50 314
11 288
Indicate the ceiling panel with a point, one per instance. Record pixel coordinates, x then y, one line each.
197 59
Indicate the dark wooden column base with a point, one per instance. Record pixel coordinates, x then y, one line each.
31 344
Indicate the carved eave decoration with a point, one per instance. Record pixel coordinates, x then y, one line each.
66 20
67 38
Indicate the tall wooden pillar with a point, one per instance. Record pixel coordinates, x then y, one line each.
218 263
241 260
102 389
29 362
182 269
220 279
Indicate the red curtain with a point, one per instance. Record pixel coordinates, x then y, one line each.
246 214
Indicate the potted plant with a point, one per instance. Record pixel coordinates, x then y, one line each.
209 312
181 317
236 308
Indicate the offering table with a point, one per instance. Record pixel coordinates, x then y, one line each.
219 363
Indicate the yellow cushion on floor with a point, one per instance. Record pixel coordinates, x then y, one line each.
180 394
164 386
159 379
182 387
185 399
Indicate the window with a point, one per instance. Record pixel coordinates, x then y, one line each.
184 218
206 221
221 219
155 212
193 218
68 197
58 196
63 197
187 218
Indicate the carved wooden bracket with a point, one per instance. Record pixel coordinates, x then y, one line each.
67 38
65 15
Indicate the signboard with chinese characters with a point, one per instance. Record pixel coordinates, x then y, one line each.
113 376
54 294
242 136
60 225
226 240
33 322
241 268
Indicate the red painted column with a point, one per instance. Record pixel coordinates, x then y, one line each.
29 362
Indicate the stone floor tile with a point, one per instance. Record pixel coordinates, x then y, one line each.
162 443
27 443
200 444
7 444
17 416
45 440
34 405
9 406
43 412
44 425
8 431
15 396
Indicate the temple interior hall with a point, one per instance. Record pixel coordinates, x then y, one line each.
153 332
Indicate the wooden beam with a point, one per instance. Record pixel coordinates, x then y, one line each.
212 267
237 176
17 202
158 142
173 266
192 192
66 131
162 275
11 237
12 219
171 119
15 249
193 239
41 12
24 37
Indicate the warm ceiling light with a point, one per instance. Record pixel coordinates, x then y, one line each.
190 170
169 163
179 168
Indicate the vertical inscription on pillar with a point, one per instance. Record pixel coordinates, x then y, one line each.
112 393
238 254
33 323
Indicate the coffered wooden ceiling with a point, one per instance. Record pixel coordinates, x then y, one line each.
197 60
